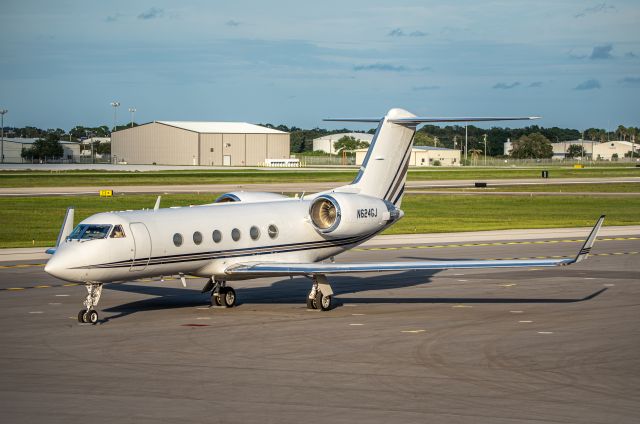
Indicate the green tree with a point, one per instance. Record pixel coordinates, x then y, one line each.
621 132
575 150
48 147
349 143
532 146
423 139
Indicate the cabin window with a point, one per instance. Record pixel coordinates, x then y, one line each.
235 234
117 232
273 231
197 237
177 239
90 232
217 236
254 232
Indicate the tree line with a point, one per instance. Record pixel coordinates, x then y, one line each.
450 136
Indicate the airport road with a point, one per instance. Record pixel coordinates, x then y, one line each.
301 187
475 346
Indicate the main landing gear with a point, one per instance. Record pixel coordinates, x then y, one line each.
321 294
89 315
221 294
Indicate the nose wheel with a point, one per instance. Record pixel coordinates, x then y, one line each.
90 315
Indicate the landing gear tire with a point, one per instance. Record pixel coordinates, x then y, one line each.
216 300
92 317
228 297
82 316
311 303
322 302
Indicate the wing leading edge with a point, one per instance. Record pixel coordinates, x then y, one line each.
286 269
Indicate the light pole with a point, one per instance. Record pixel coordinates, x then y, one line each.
466 143
2 112
485 150
132 110
115 110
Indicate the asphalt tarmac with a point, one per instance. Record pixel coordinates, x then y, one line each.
310 187
473 346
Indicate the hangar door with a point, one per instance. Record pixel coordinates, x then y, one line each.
142 246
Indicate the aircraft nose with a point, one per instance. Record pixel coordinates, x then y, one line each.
54 267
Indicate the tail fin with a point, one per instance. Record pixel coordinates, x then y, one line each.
384 170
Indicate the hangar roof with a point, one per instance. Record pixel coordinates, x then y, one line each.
221 127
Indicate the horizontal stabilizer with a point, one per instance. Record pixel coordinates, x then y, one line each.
426 120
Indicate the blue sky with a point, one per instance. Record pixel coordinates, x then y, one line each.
576 63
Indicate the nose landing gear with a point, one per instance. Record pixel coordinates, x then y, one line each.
89 315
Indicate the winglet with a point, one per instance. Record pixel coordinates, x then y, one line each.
157 205
588 244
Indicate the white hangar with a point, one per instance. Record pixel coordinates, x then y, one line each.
199 143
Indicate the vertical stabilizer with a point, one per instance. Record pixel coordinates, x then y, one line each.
384 170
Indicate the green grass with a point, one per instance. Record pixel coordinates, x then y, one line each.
35 221
116 178
450 213
558 188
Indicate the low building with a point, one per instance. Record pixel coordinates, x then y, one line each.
199 143
424 156
560 148
613 149
101 140
12 148
592 149
326 143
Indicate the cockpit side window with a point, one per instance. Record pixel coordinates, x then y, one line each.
117 232
90 232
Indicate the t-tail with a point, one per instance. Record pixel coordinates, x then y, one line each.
383 173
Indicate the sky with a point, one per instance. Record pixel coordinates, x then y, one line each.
575 63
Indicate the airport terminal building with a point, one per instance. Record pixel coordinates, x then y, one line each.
199 143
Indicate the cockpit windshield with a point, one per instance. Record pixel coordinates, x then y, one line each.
90 232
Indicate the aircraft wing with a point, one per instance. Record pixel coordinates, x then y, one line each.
286 269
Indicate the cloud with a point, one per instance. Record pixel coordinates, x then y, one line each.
426 87
630 55
630 80
591 84
113 18
598 8
505 86
152 13
399 32
602 52
232 23
573 55
385 67
535 84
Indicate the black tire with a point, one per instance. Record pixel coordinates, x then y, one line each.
228 297
92 317
82 316
215 299
311 302
322 302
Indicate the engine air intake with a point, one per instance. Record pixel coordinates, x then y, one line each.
325 214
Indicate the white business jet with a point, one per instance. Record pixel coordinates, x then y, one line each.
251 235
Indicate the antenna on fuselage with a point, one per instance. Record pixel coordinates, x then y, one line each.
157 206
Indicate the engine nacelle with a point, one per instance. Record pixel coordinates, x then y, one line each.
249 197
348 214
